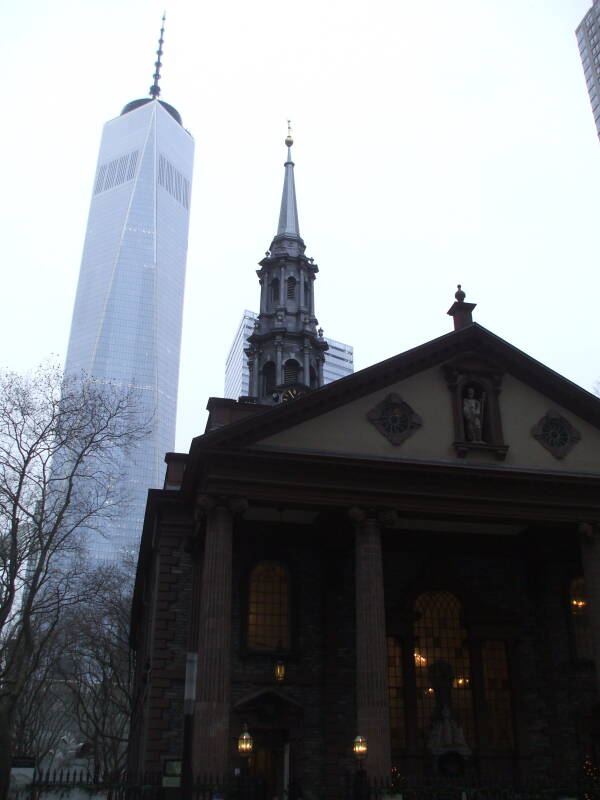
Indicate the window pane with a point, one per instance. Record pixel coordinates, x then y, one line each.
497 695
440 639
268 608
396 691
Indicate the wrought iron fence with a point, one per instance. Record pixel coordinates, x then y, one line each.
359 787
69 784
83 785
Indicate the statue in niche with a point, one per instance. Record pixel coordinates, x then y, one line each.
446 739
473 409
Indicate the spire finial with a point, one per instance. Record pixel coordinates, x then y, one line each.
288 139
155 88
288 217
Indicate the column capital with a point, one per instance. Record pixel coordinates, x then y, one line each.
382 517
205 503
360 517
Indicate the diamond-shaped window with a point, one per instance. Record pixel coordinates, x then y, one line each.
556 434
394 419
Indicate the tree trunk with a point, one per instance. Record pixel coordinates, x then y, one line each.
5 750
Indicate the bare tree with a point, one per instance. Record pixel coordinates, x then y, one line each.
62 444
40 720
97 671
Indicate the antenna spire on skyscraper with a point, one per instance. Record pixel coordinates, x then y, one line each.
155 88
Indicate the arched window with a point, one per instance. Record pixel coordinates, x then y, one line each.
275 290
268 372
269 607
291 288
290 371
580 619
441 649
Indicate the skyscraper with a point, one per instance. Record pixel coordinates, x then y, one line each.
588 39
126 326
339 359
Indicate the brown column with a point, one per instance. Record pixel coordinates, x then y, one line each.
372 696
211 720
590 559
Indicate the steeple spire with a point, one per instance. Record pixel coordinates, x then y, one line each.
287 240
155 88
286 351
288 216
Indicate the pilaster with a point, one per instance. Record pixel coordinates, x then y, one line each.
306 351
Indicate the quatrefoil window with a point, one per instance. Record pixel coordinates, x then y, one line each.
395 419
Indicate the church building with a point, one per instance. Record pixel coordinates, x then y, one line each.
401 567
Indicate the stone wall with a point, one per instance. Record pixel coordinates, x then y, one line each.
511 587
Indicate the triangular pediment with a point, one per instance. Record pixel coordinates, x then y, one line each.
413 406
420 426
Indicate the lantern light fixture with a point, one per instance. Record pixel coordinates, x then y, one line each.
360 747
279 671
245 743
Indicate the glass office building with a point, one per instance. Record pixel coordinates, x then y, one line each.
339 360
588 39
126 326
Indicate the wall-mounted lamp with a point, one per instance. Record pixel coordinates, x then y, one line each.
360 747
279 671
245 743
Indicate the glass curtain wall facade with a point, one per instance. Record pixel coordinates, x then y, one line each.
127 318
588 39
339 360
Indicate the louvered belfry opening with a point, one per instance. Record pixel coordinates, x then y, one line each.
291 288
290 371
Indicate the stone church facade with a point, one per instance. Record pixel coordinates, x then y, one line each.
410 554
435 594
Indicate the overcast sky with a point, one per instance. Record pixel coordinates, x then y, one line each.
437 142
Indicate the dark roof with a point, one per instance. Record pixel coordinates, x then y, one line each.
142 102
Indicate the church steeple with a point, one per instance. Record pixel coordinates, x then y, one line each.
288 216
286 351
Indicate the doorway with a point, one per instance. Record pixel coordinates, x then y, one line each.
270 762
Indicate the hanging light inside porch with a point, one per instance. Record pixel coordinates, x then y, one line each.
279 671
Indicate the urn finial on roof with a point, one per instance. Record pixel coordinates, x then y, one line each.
461 311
